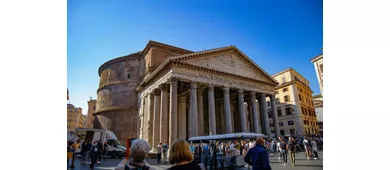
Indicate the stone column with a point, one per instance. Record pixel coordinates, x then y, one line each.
182 117
164 114
211 102
255 114
264 107
156 119
241 110
275 116
141 118
150 117
200 112
173 111
226 108
193 111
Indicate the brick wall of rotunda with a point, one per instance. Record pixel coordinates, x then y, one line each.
117 100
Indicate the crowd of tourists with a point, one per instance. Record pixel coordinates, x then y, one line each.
182 155
91 153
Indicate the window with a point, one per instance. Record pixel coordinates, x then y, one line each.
290 122
280 123
128 75
271 124
295 77
286 98
321 67
307 111
282 132
292 131
279 112
303 110
285 89
94 107
300 98
288 111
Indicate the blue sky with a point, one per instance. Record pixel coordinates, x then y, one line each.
276 34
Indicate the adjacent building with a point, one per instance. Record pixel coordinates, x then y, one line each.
294 105
90 114
164 92
318 66
75 118
317 99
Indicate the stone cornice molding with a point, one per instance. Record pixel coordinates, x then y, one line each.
113 108
133 56
159 45
103 86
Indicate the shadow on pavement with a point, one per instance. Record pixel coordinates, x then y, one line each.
300 165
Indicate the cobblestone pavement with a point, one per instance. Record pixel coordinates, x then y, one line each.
301 163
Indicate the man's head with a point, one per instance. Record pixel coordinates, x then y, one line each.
260 141
139 150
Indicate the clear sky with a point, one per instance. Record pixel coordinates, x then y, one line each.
276 34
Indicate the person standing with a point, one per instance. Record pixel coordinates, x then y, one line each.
257 156
83 152
94 155
69 154
283 151
314 149
278 149
159 149
306 144
100 151
165 150
292 147
75 147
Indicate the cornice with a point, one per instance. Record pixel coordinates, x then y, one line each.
113 108
317 57
165 47
113 83
133 56
291 83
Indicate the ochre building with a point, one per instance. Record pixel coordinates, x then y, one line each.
164 92
75 118
295 108
91 111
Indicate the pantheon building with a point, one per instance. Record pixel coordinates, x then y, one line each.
164 92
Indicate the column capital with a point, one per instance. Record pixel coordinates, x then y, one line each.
240 92
173 81
156 92
163 86
200 91
193 85
226 89
253 93
211 87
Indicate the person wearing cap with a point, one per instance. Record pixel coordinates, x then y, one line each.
257 156
139 151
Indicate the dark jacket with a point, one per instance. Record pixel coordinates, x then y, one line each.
258 158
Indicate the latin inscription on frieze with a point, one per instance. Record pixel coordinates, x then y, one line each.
230 81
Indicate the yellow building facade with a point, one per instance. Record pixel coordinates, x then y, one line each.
91 111
294 103
75 118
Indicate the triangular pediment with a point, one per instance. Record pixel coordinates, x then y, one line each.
229 60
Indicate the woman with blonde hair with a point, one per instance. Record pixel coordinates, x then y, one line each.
181 157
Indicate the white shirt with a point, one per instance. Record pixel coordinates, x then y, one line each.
278 146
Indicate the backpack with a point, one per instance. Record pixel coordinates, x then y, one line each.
127 167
